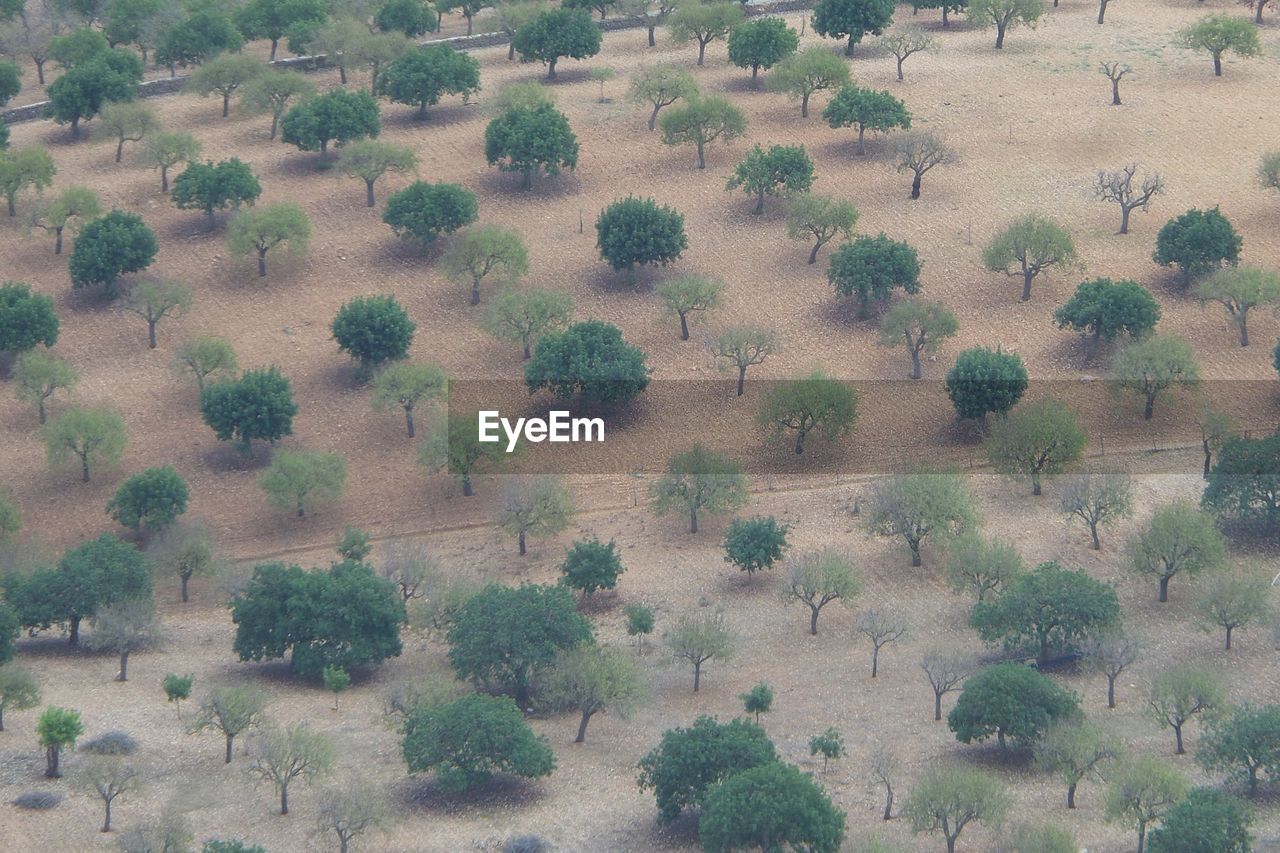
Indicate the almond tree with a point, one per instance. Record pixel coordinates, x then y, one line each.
76 202
1110 653
820 217
919 152
817 579
920 325
258 230
699 637
946 669
167 149
110 777
39 374
1097 499
1076 751
370 159
1115 72
811 70
285 755
1027 247
1240 289
405 385
230 710
1180 693
661 85
1117 186
155 299
539 506
744 346
685 295
881 627
902 43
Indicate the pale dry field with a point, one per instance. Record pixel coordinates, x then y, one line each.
1031 124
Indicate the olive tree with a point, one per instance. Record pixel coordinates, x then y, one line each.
538 507
1004 15
805 72
820 218
1027 247
818 578
88 437
1238 290
486 251
39 374
915 506
1180 693
702 120
920 151
1097 499
1036 440
815 404
700 481
1155 365
1117 187
920 326
782 170
370 159
698 637
258 230
661 85
1218 34
687 295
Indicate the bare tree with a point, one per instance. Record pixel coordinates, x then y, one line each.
124 627
884 767
1111 653
919 152
284 755
881 627
744 346
1097 499
109 777
350 810
946 669
230 710
699 637
1114 71
904 42
1117 186
538 506
409 565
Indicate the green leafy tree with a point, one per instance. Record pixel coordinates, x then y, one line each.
685 295
424 211
742 347
1218 34
22 168
829 745
484 251
815 404
814 69
38 375
819 578
283 756
230 711
273 19
1233 600
226 74
1206 820
524 315
541 507
215 186
1197 242
591 565
761 43
920 325
557 33
155 299
166 149
637 230
698 637
661 85
1004 15
866 109
1117 187
509 16
920 151
1142 791
1028 247
413 18
1240 289
853 18
914 506
1097 499
26 318
700 481
1216 429
127 122
300 479
454 446
55 215
177 689
758 700
701 121
407 386
273 91
1037 440
109 247
1243 743
421 75
530 140
783 170
57 729
1182 692
754 544
82 91
703 22
639 622
1179 538
1047 611
1155 365
770 806
981 565
19 690
202 35
10 81
259 405
1076 751
1269 170
87 437
1245 482
592 679
1104 310
948 800
820 218
871 268
689 762
503 637
258 230
152 500
10 628
374 330
337 116
123 627
985 381
468 740
589 361
203 357
1013 702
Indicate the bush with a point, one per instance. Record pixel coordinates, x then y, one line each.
111 743
37 800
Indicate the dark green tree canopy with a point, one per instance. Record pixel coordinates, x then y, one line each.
529 139
871 268
213 186
424 211
853 18
342 617
26 318
866 109
753 544
259 405
589 360
1106 309
781 170
411 17
203 34
770 807
1245 482
419 76
591 565
273 19
1243 744
1197 242
150 500
80 93
337 116
1205 821
374 330
1011 701
985 381
109 247
10 81
557 33
636 230
761 43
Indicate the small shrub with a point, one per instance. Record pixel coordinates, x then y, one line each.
526 844
37 800
111 743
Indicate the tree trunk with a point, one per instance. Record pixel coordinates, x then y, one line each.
1071 795
301 509
1177 736
123 675
862 132
1150 407
875 663
759 203
469 24
475 291
40 408
742 378
164 179
937 706
75 128
1115 91
368 192
755 76
324 150
528 352
1111 690
800 443
1035 484
1000 738
1142 835
813 619
951 843
1208 455
813 254
915 554
1244 332
551 69
888 803
1 718
120 149
946 21
653 117
900 59
1124 218
274 42
284 799
652 42
999 37
697 676
702 157
1093 531
693 520
40 71
342 74
151 333
1102 11
51 755
916 370
185 580
702 51
74 639
582 727
1229 629
848 48
526 181
523 545
84 467
804 105
684 327
1027 276
1259 5
408 421
12 209
422 110
227 759
915 186
466 487
226 104
1217 66
57 241
106 818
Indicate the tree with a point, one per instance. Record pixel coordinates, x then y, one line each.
704 22
82 91
91 437
258 405
816 579
1232 601
1154 365
406 386
1038 439
1011 701
177 689
483 251
10 82
915 505
272 91
1218 34
1117 186
700 480
871 268
1097 499
33 34
815 404
57 729
981 565
853 18
821 218
469 739
1244 483
350 810
1239 289
1142 791
76 202
689 762
282 756
1105 310
1029 245
1243 743
1181 692
541 507
1005 15
167 149
1076 751
591 679
420 75
639 623
557 33
753 544
1047 611
274 19
26 318
661 85
374 330
591 565
637 230
38 375
698 637
424 211
344 617
811 70
769 806
1216 429
155 299
412 18
920 325
866 109
904 42
211 187
948 800
684 295
203 34
185 550
454 446
744 346
337 116
19 690
589 361
983 381
225 74
503 637
1198 242
298 480
946 670
22 168
152 500
1115 72
1207 819
1178 538
782 170
524 315
258 230
701 121
109 247
123 627
881 627
510 16
758 700
203 357
761 43
1269 170
920 151
230 711
1111 652
829 745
